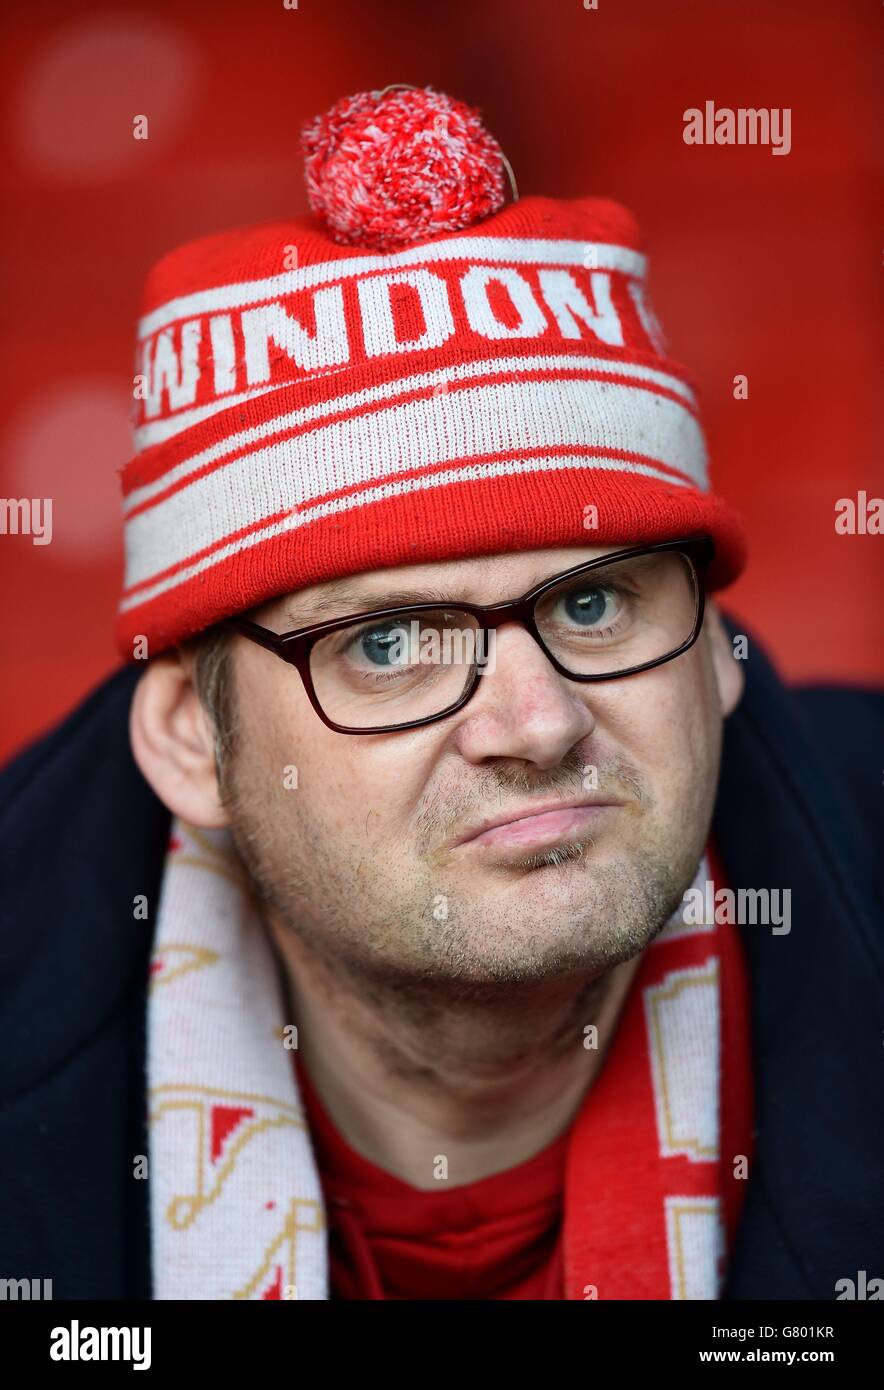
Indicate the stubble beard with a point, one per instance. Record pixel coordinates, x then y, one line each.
388 939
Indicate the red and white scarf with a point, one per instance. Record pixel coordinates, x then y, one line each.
659 1153
236 1200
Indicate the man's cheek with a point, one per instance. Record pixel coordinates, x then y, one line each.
351 809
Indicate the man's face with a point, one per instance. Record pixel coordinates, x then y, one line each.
378 858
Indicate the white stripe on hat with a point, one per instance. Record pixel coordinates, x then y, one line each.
158 431
365 450
481 472
497 250
359 400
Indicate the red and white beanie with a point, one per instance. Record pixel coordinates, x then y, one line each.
424 369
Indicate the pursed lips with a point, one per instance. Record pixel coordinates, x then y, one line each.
549 823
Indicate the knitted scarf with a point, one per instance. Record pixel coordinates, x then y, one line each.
651 1197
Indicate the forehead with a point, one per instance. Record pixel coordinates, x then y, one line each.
478 579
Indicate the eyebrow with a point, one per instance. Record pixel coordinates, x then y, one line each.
356 599
346 599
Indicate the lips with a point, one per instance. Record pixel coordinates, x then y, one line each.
539 827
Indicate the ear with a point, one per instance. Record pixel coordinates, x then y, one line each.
173 744
726 669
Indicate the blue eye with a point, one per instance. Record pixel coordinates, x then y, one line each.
380 643
587 607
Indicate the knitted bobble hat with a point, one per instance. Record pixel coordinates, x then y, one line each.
424 368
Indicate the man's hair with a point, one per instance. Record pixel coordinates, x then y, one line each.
213 681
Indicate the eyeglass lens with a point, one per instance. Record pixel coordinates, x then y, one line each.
413 665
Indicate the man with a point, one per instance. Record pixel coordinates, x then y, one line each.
485 959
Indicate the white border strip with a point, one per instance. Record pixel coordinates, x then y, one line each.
158 431
388 391
506 418
469 473
511 250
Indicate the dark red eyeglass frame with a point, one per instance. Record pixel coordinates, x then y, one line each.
295 647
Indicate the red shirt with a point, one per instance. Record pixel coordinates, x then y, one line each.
495 1238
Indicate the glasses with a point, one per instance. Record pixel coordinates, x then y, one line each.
399 668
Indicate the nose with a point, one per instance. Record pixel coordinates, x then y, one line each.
523 708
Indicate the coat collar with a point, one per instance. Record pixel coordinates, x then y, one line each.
782 822
81 834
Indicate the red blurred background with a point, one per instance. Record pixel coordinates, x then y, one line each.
761 265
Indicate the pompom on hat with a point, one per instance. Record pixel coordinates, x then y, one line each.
424 368
384 171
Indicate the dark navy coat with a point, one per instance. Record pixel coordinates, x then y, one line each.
81 834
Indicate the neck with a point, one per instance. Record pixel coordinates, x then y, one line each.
487 1082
